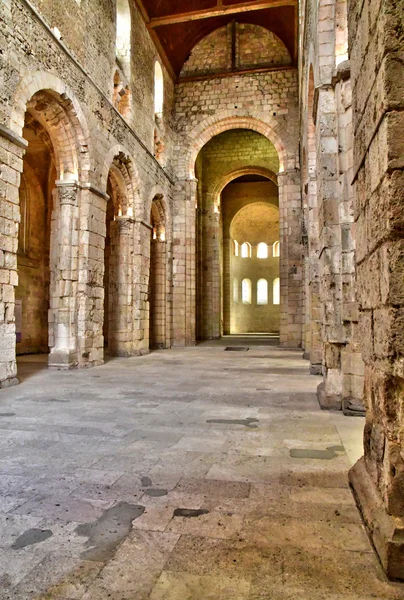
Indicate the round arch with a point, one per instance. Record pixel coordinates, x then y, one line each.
213 126
229 177
119 159
71 135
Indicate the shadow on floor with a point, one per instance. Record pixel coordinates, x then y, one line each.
28 365
244 339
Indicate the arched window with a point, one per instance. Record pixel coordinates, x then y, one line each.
158 89
276 249
246 250
276 291
262 250
262 291
235 247
123 33
246 291
235 291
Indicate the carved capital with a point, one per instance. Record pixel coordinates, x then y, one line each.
67 192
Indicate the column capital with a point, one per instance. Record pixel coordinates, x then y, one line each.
67 191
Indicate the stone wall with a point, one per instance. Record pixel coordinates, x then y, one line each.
376 43
64 78
236 46
331 324
266 103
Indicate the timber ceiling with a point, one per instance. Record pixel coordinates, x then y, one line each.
177 25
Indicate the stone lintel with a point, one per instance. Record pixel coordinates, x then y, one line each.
9 135
385 531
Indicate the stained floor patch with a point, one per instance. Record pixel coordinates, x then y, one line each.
109 530
146 481
236 349
7 414
155 493
190 512
246 422
328 454
31 537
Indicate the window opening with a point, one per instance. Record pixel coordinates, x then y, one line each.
262 291
276 291
276 249
158 89
246 250
262 250
246 291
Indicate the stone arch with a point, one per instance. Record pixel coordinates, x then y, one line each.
158 198
228 178
57 109
119 159
221 122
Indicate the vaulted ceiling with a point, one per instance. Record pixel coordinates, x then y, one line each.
177 25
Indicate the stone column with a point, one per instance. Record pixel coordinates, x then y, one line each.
330 390
92 232
377 72
227 284
184 266
140 282
12 149
291 259
158 277
121 290
64 254
211 292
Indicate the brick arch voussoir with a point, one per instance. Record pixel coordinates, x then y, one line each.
76 134
213 126
119 157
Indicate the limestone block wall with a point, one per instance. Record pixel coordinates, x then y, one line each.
236 46
263 102
331 324
376 51
64 78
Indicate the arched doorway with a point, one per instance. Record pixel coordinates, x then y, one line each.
118 260
36 228
233 154
158 284
251 256
48 244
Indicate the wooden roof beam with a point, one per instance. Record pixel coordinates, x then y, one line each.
218 11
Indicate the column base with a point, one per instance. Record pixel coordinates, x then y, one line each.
328 401
352 407
386 532
62 359
9 382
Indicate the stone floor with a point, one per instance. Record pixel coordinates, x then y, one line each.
195 474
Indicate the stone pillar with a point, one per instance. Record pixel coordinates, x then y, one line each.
211 293
158 286
121 289
92 232
330 390
140 279
291 259
352 366
11 152
64 255
184 266
377 72
227 284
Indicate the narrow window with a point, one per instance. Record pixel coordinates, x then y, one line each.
245 250
262 291
246 291
275 249
158 89
235 291
123 33
276 291
235 247
262 250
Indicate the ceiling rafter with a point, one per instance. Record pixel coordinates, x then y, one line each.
219 11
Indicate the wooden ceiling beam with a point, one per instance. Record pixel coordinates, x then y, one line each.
218 11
